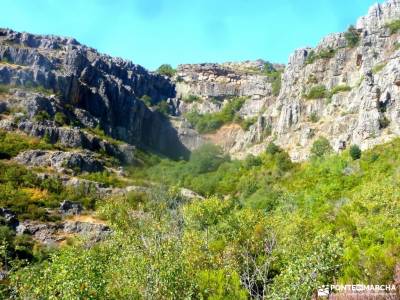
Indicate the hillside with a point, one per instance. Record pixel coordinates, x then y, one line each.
240 180
345 89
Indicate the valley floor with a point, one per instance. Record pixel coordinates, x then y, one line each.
209 227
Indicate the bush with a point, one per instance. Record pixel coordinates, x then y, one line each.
272 148
107 178
393 26
322 54
355 152
275 76
247 123
352 37
166 70
13 143
326 53
4 89
317 92
60 118
313 117
283 161
311 57
383 122
163 107
212 121
379 67
191 99
252 161
321 147
42 116
206 159
340 88
147 100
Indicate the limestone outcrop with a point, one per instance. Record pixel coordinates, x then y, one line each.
346 89
91 89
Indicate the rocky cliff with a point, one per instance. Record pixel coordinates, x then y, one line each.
49 75
346 89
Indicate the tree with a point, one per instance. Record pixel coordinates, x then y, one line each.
352 36
166 70
60 118
272 148
355 152
321 147
206 159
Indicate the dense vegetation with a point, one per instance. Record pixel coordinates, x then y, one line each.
322 54
352 36
320 91
393 26
166 70
275 76
267 227
209 122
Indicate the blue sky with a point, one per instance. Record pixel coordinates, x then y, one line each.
153 32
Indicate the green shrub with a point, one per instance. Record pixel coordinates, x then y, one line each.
212 121
107 178
321 147
272 148
379 67
220 284
191 99
163 107
147 100
340 88
42 90
247 123
166 70
352 37
60 118
275 76
313 117
327 53
312 79
26 194
4 89
13 143
283 161
206 159
252 161
42 116
47 138
355 152
393 26
317 92
383 122
311 57
267 131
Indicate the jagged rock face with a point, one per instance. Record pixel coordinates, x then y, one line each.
220 81
101 90
60 160
104 91
365 111
349 117
54 233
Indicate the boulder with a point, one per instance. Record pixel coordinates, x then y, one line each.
70 208
83 161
